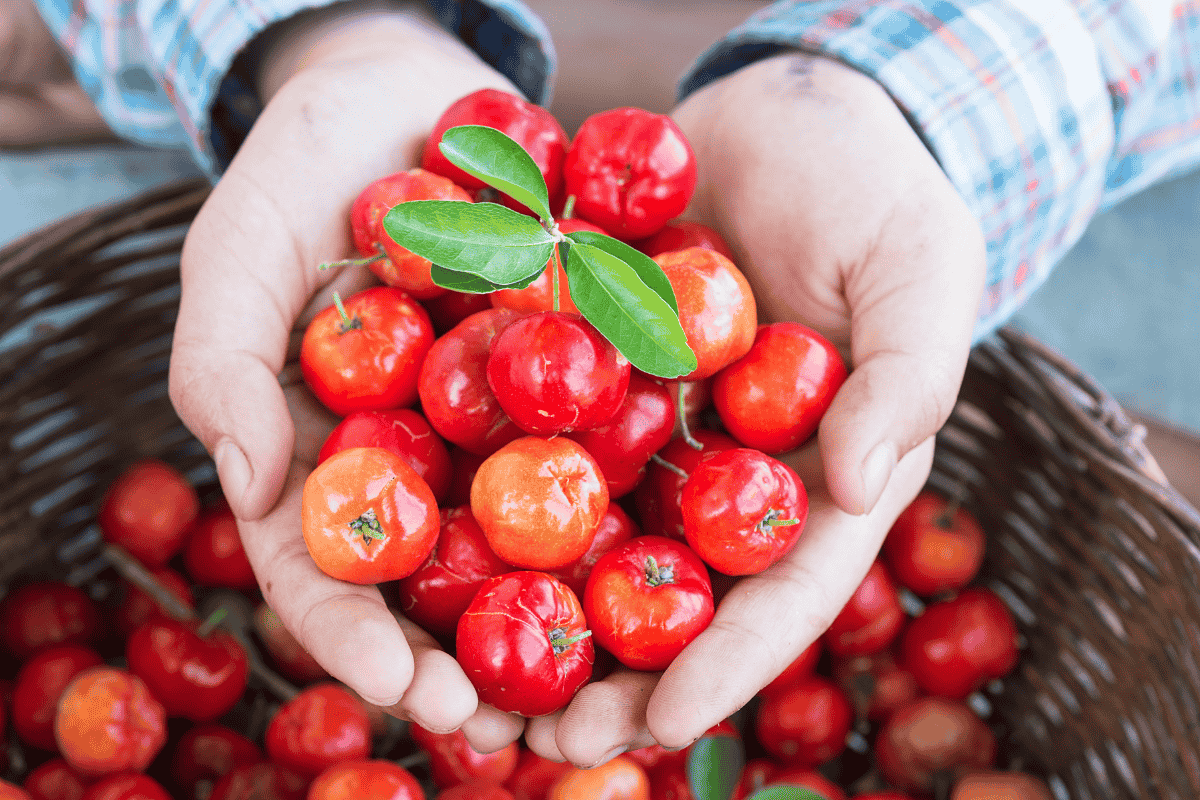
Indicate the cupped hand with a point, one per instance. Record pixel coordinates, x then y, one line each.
352 97
841 220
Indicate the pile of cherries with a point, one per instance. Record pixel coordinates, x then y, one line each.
541 507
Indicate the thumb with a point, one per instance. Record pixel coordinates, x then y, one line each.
913 306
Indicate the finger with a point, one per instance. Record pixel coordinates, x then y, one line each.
605 719
489 729
763 625
49 114
440 698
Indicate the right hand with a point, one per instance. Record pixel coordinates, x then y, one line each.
357 96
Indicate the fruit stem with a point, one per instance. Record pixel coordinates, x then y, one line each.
559 644
777 522
568 207
348 324
945 520
771 520
355 262
133 571
368 525
554 276
667 465
680 411
656 575
210 624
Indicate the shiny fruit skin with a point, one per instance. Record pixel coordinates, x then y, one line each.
933 548
648 599
475 790
802 667
439 591
773 397
263 781
616 527
730 505
504 644
214 556
618 779
373 364
109 722
367 516
534 775
876 684
54 780
928 736
871 619
452 759
806 725
453 386
716 307
196 678
208 751
539 501
958 645
137 607
539 295
126 786
10 791
148 511
996 785
401 268
680 234
403 431
321 726
631 171
39 686
451 308
553 372
367 779
660 493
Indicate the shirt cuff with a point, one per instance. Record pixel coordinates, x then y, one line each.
1008 95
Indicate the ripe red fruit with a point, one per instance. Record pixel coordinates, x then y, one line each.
126 786
44 613
773 397
454 390
403 431
958 645
401 268
475 790
452 760
631 171
875 684
539 295
322 726
108 722
439 591
801 667
681 234
928 736
808 779
534 775
148 511
934 547
805 725
54 780
213 555
10 791
265 781
368 359
198 678
615 528
208 751
539 501
367 516
137 607
524 644
871 619
743 510
618 779
40 684
716 307
553 372
996 785
531 126
658 496
288 656
449 309
369 779
756 774
646 600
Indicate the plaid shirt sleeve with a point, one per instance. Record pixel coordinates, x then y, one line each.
162 72
1041 112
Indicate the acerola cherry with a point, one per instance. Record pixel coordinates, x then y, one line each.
403 431
805 725
743 510
366 354
126 786
876 684
10 791
928 736
958 645
454 390
631 171
475 790
615 528
659 495
646 600
287 654
680 234
209 751
45 613
367 516
137 607
539 501
451 308
773 397
452 759
368 779
148 511
534 775
524 644
265 781
400 268
993 785
439 591
617 779
934 546
40 684
716 307
214 556
322 726
871 619
553 372
539 295
108 722
54 780
801 667
197 677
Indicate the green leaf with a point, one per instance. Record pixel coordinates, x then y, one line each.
496 243
639 323
714 767
645 266
498 161
786 793
473 284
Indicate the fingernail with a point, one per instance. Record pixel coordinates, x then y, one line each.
609 756
234 471
877 469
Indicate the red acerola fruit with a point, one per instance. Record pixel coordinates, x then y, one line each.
958 645
928 736
39 686
368 779
659 495
207 752
148 511
871 619
214 556
452 759
108 722
48 612
195 677
322 726
404 432
805 725
933 546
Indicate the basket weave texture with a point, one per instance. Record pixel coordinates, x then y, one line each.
1097 557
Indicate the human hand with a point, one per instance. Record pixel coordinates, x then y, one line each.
842 220
40 101
353 94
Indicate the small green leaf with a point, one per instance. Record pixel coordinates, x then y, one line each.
473 284
714 767
645 266
786 793
498 161
496 243
639 323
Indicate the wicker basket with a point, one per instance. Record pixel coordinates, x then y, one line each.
1096 555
